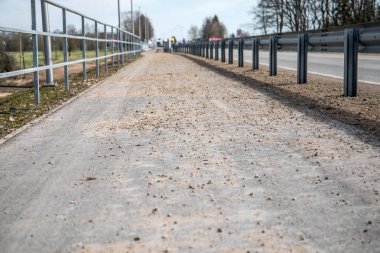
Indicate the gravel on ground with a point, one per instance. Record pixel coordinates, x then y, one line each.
168 156
323 94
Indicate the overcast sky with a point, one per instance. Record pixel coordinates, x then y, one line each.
169 17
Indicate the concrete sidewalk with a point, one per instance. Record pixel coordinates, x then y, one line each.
175 158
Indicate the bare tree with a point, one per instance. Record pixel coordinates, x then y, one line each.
300 15
263 16
212 27
193 33
72 43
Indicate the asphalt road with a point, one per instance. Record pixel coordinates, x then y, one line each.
176 158
325 64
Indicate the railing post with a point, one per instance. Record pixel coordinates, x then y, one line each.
113 47
303 48
97 49
65 50
105 49
47 44
124 47
223 51
84 49
351 43
217 51
231 52
121 61
35 55
241 53
273 56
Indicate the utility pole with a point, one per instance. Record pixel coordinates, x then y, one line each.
47 45
119 34
146 31
133 22
118 13
148 34
140 22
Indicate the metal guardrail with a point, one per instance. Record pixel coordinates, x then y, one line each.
126 44
350 40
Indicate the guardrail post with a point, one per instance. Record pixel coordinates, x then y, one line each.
36 78
241 53
223 51
97 49
105 49
255 54
231 52
273 56
84 49
211 50
351 44
303 48
65 50
217 51
207 50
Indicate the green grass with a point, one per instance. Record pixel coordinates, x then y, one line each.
57 57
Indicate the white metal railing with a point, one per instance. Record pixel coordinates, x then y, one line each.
125 42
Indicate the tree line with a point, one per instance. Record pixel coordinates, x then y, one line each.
212 27
299 15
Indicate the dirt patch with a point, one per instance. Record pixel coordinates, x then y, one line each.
4 94
320 93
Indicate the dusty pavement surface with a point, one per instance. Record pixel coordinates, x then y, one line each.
167 156
320 93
